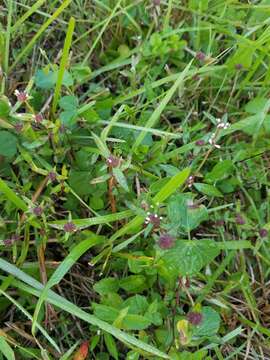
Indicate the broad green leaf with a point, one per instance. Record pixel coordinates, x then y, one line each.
209 325
133 283
11 196
208 190
80 72
188 257
6 349
4 107
106 286
69 102
47 79
34 287
257 105
220 171
184 214
62 270
8 143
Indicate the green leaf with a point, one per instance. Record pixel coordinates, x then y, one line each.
11 196
46 79
209 325
121 179
172 185
184 215
220 171
106 286
8 144
5 349
201 5
257 105
90 115
80 72
63 63
188 257
133 283
69 102
208 190
69 117
82 223
111 345
4 107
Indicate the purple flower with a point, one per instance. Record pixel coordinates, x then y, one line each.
69 227
200 56
166 241
18 127
113 161
200 142
22 96
194 318
220 222
11 240
38 210
239 219
263 232
238 66
156 2
38 118
52 176
153 219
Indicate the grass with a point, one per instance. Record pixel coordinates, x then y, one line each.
134 156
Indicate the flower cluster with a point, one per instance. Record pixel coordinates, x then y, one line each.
22 96
153 219
166 241
222 125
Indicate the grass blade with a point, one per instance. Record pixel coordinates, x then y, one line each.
83 223
156 114
11 196
63 63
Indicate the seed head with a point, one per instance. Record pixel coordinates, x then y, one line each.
166 241
38 118
52 176
239 219
238 66
153 219
263 232
69 227
22 96
18 127
200 142
200 56
113 161
194 318
38 210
